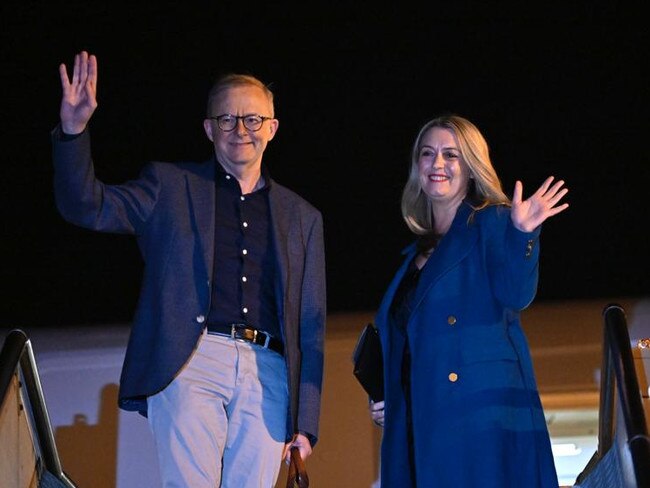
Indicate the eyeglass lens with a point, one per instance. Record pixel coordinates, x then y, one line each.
228 122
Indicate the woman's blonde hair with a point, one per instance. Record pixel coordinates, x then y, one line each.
484 185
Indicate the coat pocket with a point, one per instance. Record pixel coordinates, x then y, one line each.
486 343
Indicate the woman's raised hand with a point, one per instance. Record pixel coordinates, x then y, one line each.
528 214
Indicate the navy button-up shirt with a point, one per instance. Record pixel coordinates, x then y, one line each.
243 288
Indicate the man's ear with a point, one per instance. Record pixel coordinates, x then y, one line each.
207 126
273 127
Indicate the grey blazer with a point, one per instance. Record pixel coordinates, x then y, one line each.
170 209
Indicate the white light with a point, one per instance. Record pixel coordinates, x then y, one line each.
562 450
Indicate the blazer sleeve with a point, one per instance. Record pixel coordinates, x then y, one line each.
85 201
512 259
312 330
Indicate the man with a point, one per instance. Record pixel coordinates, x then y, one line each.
225 355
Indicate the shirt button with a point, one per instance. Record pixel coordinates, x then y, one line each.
227 177
245 310
242 198
200 319
451 320
245 224
453 377
244 251
244 279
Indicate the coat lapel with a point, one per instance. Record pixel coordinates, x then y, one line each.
453 247
382 313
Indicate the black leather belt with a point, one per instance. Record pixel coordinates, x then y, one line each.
243 332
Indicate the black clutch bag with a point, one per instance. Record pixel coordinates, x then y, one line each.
369 364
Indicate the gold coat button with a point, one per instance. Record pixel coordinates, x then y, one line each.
453 377
451 320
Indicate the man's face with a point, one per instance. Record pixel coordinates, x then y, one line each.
241 149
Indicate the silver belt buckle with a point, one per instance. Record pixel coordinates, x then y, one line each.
233 331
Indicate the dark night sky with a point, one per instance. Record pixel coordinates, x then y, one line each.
555 90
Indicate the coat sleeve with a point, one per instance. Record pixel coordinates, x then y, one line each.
85 201
312 331
512 259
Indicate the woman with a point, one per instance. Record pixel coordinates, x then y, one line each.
461 404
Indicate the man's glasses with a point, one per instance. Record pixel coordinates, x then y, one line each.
228 122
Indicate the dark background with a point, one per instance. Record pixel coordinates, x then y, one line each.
555 89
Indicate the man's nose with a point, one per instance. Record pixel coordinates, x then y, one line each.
241 128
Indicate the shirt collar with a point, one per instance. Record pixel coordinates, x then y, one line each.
221 172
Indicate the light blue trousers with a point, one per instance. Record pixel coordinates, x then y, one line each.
222 421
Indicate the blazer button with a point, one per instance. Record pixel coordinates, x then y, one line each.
453 377
200 319
451 320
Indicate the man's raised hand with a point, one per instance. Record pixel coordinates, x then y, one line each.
79 99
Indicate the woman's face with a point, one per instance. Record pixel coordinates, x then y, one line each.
444 175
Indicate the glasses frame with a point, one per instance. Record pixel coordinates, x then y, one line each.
237 118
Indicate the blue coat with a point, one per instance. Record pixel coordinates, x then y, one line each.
170 209
477 417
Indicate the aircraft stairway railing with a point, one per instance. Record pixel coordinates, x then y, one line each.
28 457
623 455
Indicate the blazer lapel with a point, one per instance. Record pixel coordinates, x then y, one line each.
281 222
201 201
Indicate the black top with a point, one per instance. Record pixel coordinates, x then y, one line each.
400 309
402 305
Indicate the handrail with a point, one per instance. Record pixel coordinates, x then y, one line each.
17 353
9 359
617 349
606 407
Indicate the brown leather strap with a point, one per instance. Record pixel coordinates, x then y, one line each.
297 472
